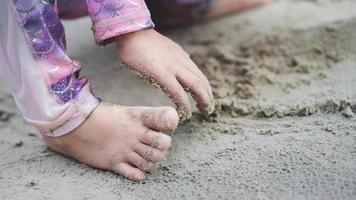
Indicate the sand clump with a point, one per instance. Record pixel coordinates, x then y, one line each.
240 71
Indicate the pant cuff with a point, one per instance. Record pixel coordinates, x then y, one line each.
80 109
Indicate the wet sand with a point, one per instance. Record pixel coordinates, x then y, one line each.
284 76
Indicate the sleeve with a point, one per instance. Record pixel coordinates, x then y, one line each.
111 18
43 79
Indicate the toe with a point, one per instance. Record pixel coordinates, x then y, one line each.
150 153
163 119
138 161
130 172
157 140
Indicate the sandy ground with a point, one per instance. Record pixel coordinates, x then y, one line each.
284 76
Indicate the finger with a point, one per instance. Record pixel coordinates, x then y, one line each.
157 140
189 64
191 67
138 161
150 153
170 85
128 171
199 73
176 92
197 88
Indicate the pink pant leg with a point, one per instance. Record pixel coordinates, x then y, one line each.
43 79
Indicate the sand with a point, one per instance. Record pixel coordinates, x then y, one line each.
285 128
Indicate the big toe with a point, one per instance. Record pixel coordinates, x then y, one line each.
162 119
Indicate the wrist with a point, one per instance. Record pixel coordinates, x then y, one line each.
124 39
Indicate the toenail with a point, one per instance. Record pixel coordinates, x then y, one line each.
168 119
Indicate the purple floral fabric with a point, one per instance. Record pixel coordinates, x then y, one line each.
115 17
45 35
43 79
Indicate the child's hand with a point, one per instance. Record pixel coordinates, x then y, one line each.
166 63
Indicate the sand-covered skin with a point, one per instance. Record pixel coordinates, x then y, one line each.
285 128
183 112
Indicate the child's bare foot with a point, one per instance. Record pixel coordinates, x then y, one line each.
168 14
224 7
126 140
165 62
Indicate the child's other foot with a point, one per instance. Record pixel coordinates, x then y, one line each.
126 140
224 7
